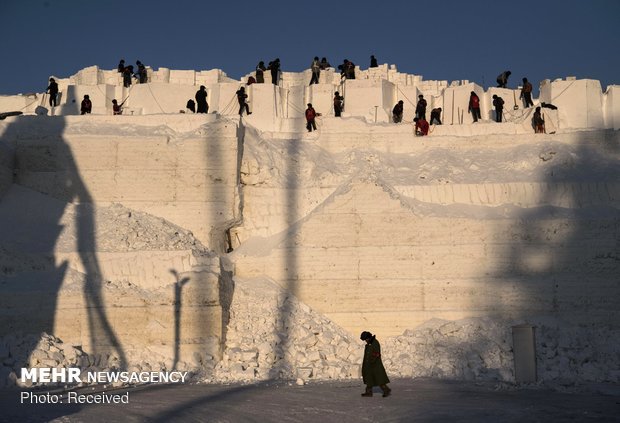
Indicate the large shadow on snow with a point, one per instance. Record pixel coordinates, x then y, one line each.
563 257
32 274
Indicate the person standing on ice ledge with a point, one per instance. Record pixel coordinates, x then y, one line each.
52 89
502 79
373 372
315 66
397 112
526 93
373 62
201 100
474 106
241 96
274 67
86 105
311 114
420 108
338 103
498 103
260 69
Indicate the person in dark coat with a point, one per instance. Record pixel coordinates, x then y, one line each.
315 66
241 96
274 67
338 104
121 66
86 105
373 372
350 70
201 100
141 74
548 106
474 106
436 116
117 109
397 112
502 79
538 122
127 73
526 93
420 108
373 62
498 103
311 115
260 68
52 89
325 64
191 105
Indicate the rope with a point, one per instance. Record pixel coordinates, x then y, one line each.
154 98
225 110
401 91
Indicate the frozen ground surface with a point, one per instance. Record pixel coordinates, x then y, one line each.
412 400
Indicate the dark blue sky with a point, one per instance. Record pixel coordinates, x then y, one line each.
448 39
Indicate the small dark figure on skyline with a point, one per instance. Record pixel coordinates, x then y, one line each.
260 69
121 66
52 89
274 67
325 64
373 62
127 74
502 79
201 100
315 66
526 93
373 372
141 74
86 106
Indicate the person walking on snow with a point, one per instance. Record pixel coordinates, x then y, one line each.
241 98
397 112
86 105
338 104
52 89
373 372
311 115
498 103
474 106
502 79
315 66
201 100
526 93
420 108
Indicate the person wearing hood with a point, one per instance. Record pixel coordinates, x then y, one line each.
201 100
86 106
373 372
260 69
397 112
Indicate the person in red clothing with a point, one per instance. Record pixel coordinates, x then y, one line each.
421 126
311 114
474 106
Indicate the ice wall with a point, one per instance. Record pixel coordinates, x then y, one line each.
372 95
